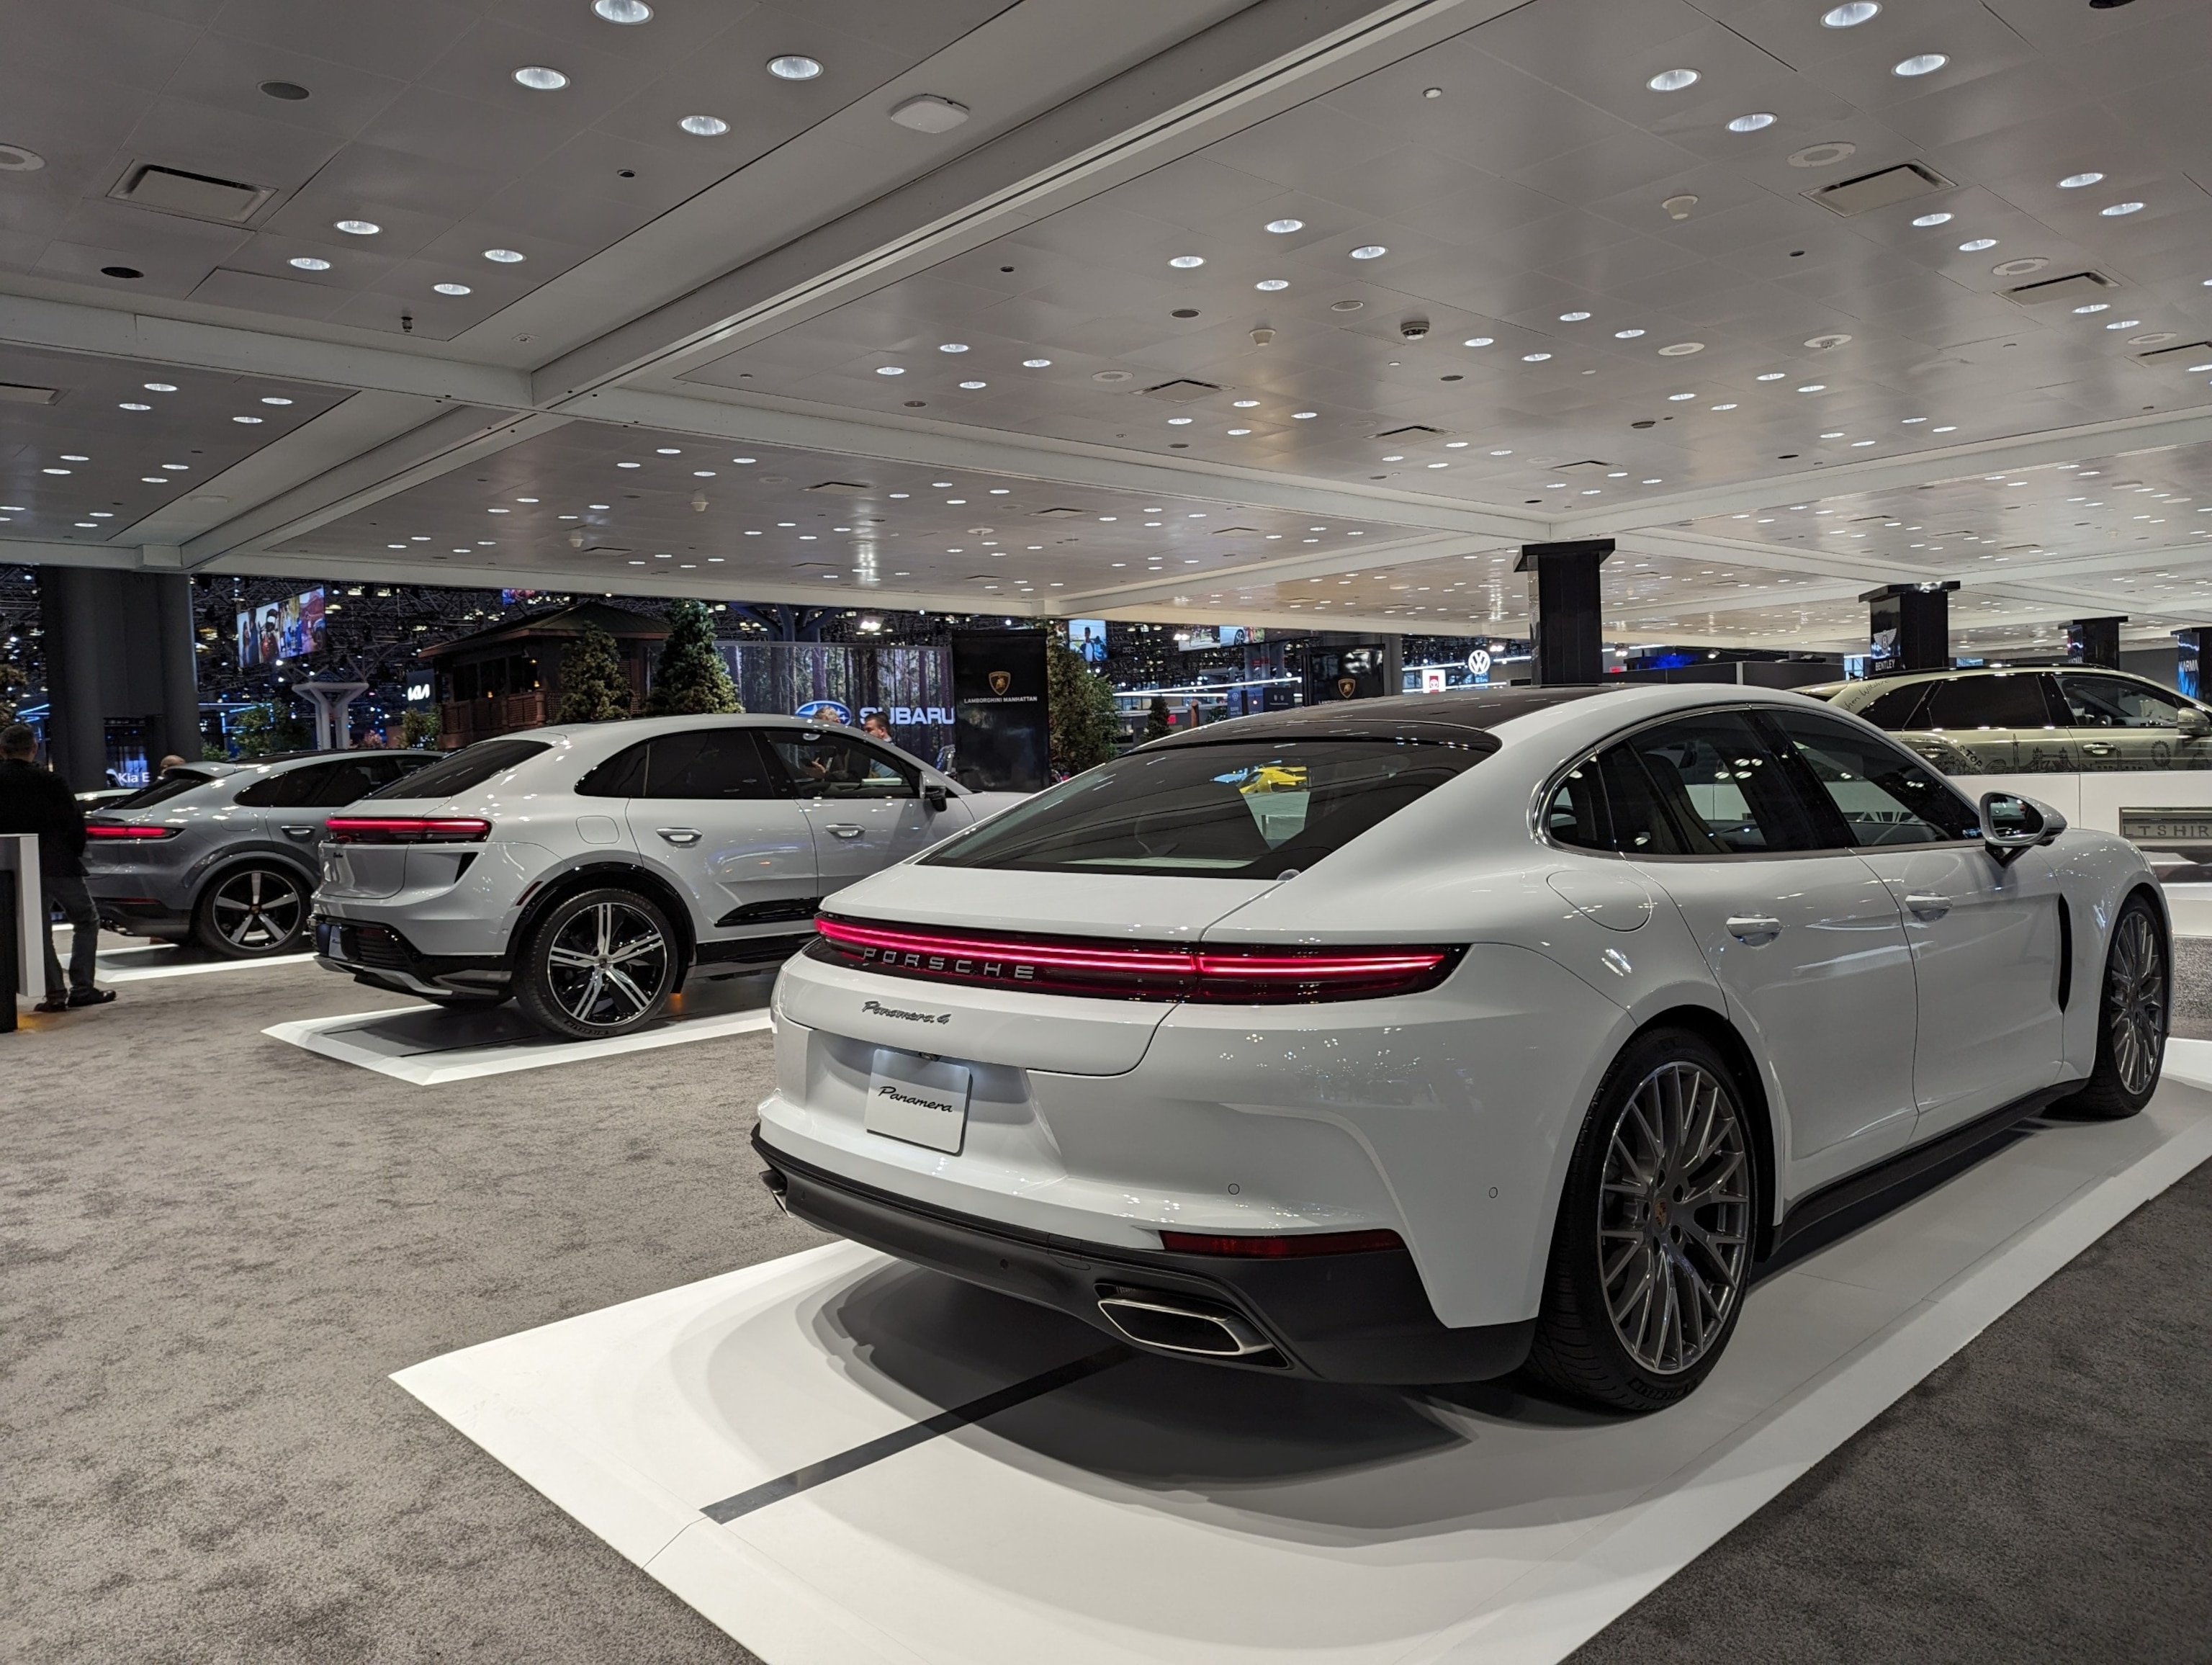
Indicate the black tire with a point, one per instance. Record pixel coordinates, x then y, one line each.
1667 1127
254 911
600 962
2134 1009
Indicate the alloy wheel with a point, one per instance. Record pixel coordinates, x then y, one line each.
2134 1001
606 963
257 909
1674 1218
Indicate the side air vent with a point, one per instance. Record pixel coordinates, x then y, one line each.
840 488
2196 350
195 196
14 393
2076 286
1870 191
1411 431
1181 392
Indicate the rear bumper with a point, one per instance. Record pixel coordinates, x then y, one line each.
382 956
142 916
1362 1317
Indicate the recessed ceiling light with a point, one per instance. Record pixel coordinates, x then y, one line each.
1850 15
705 127
540 79
1533 358
129 405
1672 81
623 11
1284 228
629 465
503 257
1975 245
1752 122
1725 407
1370 251
161 386
1246 404
1303 415
249 421
1240 430
309 263
273 399
794 66
177 468
1814 387
972 386
1478 341
14 159
1572 317
1682 350
1179 422
2093 307
1036 363
1837 435
358 227
1271 284
2124 323
1932 219
1187 262
669 450
450 288
2117 209
890 370
1920 64
1677 398
1627 335
2076 181
53 470
951 346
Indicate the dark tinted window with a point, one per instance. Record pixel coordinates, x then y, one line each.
294 789
1881 794
831 765
1609 802
1995 700
1240 810
621 776
1900 707
708 762
1709 784
174 784
2119 703
470 767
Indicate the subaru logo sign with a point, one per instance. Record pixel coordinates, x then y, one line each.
825 711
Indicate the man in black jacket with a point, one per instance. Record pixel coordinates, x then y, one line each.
37 801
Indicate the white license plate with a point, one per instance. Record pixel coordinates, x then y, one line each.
918 1100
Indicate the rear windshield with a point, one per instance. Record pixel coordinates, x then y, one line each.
1256 810
174 784
471 766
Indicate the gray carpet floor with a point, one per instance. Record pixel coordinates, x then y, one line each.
214 1247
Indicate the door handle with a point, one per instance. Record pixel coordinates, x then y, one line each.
2099 748
1744 928
299 832
681 837
846 830
1928 906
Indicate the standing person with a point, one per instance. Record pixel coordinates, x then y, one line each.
173 761
38 800
876 728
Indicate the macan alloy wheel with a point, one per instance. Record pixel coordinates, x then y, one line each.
601 964
252 912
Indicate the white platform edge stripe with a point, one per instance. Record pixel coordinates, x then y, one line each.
135 974
324 1036
1562 1604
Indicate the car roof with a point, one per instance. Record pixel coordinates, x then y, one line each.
1458 715
644 728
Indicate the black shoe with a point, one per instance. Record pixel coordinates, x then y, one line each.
53 1003
91 997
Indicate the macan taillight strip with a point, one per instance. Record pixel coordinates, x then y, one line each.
119 830
1147 972
407 829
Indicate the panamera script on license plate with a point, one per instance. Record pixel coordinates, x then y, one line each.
919 1100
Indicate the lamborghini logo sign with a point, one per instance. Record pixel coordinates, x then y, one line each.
1001 681
1346 687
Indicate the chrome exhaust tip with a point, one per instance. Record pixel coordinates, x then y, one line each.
1168 1324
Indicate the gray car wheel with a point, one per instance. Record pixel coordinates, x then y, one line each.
252 912
2134 1002
601 962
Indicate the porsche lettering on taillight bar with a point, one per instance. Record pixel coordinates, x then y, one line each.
1230 977
120 830
407 829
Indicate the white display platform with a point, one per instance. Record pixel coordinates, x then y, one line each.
1135 1509
143 961
2190 906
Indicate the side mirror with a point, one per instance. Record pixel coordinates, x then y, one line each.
2012 824
2194 725
936 797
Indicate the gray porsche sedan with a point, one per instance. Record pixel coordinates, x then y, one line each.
224 855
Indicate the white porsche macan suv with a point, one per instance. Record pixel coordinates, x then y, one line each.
1418 1040
586 870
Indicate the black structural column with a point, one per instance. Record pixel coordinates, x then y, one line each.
1909 627
119 648
2095 641
1565 619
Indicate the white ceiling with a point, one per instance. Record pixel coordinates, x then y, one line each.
1856 400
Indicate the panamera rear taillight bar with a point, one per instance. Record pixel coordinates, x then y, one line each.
120 830
407 829
1233 976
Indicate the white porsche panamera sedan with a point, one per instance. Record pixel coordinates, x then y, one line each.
1423 1039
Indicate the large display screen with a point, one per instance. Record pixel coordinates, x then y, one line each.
1087 636
276 630
1215 636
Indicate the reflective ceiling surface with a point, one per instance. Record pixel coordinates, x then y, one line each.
1302 309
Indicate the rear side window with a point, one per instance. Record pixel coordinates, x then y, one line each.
1706 785
708 762
470 767
174 784
1240 810
1900 707
294 789
1988 702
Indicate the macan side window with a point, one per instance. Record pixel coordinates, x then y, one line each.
824 765
1239 809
